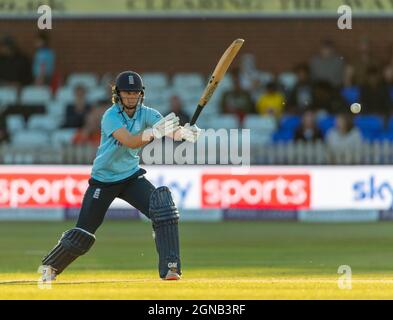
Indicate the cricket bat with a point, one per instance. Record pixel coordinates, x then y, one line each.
218 73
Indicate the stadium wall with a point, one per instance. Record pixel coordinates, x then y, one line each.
182 45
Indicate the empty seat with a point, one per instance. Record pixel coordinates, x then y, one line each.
153 80
289 122
29 138
65 95
88 80
8 95
63 136
35 95
188 81
15 122
226 121
43 122
98 94
287 80
369 123
259 123
325 123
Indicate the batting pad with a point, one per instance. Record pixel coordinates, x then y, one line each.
165 217
73 243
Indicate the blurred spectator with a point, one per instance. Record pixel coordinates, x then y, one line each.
344 136
237 100
364 60
250 76
308 130
350 91
90 133
327 66
388 69
43 61
374 95
272 102
326 98
301 96
76 112
177 107
15 66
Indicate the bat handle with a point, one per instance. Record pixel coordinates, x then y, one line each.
196 115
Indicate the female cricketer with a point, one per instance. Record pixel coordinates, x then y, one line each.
126 126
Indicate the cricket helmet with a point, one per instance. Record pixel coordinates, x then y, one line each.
127 81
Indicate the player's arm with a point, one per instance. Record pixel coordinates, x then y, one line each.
132 141
164 126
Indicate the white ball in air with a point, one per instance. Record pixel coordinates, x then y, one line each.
356 107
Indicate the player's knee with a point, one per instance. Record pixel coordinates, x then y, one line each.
162 207
77 241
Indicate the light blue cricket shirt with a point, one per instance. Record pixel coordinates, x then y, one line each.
114 161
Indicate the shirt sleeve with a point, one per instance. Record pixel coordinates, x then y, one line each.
153 117
110 124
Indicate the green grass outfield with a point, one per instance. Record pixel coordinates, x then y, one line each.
228 260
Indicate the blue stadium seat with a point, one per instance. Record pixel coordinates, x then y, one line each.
372 124
351 94
325 123
390 124
386 136
289 122
283 136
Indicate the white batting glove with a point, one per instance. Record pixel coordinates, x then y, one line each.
190 133
165 126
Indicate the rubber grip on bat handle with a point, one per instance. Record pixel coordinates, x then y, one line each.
196 115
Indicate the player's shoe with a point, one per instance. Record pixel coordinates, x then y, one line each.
171 275
48 274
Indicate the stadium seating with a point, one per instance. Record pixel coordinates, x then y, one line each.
8 96
287 80
15 122
371 126
35 95
325 123
65 95
88 80
155 81
188 81
43 122
30 138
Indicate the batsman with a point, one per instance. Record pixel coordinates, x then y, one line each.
126 127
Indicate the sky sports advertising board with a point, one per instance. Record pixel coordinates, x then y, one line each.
196 187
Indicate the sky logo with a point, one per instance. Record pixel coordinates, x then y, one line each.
372 189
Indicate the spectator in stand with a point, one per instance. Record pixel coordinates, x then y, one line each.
308 130
328 65
43 61
250 76
237 100
272 102
374 95
326 98
76 113
90 133
176 106
301 96
363 61
351 90
15 66
344 136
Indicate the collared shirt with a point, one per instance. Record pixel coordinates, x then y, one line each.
115 162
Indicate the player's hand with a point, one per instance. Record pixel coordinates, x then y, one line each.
190 133
165 126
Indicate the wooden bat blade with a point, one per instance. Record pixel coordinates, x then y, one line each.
220 70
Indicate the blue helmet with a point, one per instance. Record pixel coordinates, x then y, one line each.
127 81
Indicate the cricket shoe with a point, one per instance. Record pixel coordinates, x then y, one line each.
172 275
48 274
